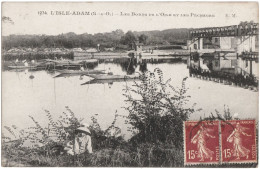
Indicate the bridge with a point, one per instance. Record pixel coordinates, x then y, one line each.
247 29
229 47
239 38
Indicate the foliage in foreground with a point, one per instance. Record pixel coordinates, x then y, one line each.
158 113
110 151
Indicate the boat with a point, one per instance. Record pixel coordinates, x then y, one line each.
68 73
22 67
65 75
81 71
89 61
109 77
71 62
103 81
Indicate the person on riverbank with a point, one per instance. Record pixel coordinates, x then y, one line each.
81 143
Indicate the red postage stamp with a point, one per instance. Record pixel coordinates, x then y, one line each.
238 141
201 142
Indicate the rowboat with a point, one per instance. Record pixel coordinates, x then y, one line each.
21 67
110 77
71 62
65 75
68 73
81 71
104 81
89 61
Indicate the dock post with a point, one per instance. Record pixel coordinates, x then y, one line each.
199 63
190 58
251 69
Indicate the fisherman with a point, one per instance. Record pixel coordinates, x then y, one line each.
81 143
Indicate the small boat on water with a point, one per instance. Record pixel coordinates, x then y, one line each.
97 81
68 73
22 67
110 76
81 71
71 62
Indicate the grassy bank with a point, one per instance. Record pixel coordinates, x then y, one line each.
145 155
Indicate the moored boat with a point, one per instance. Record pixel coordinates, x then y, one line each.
108 76
103 81
81 71
21 67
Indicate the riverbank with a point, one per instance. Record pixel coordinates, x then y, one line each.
150 157
145 155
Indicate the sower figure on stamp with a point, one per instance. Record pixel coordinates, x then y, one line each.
235 137
200 140
81 143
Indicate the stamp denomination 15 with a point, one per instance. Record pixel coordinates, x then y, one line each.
201 142
238 141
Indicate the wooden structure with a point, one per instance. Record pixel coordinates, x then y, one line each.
238 41
234 30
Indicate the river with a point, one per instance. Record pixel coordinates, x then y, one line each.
22 96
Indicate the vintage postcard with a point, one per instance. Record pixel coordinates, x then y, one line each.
130 84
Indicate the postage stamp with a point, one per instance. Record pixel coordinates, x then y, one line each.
238 141
201 142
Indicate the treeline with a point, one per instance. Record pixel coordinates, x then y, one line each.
116 39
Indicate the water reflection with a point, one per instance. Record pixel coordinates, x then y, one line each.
143 67
90 65
129 66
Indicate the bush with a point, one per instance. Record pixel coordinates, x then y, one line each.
157 112
46 143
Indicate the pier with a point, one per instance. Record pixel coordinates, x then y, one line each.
158 55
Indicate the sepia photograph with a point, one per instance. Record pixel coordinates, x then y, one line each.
130 84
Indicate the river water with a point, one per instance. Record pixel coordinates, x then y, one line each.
22 96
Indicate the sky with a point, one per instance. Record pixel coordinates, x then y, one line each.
41 17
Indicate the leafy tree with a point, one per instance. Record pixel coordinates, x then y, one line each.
143 38
128 39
